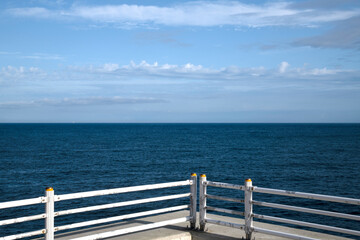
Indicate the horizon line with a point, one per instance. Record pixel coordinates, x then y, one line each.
179 122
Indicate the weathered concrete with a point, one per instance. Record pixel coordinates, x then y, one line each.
182 232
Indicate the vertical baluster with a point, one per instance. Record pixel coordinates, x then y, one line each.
248 209
193 200
49 210
202 198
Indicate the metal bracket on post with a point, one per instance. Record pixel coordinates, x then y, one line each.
49 210
193 200
202 201
248 209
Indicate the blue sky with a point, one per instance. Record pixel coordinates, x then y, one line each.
180 61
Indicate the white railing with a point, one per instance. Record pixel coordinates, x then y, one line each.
50 198
248 214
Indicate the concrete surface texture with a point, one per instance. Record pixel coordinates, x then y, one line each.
182 232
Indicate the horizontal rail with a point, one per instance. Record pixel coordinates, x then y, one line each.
120 204
134 229
281 234
223 210
307 195
307 210
118 218
121 190
225 198
307 224
22 219
224 185
23 235
24 202
226 224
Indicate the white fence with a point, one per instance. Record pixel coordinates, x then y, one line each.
249 215
50 198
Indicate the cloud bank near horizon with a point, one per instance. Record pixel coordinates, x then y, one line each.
115 100
172 93
144 70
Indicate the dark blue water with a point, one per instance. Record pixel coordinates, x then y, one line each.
317 158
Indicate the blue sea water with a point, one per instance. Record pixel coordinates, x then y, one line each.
316 158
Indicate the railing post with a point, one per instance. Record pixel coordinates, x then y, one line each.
202 201
193 200
49 210
248 209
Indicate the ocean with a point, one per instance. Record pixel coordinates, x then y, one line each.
315 158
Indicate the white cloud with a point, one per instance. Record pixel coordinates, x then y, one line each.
110 67
323 71
345 34
145 68
17 73
32 12
34 56
8 53
8 70
283 66
138 78
42 56
169 72
188 14
192 71
80 101
157 87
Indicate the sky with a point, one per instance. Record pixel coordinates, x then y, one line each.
180 61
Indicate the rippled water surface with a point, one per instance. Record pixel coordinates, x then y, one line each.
317 158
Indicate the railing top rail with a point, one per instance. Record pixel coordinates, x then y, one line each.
307 195
121 190
24 202
224 185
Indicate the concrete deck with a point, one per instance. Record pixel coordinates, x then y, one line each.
182 232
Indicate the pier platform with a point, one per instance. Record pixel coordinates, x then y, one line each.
182 231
